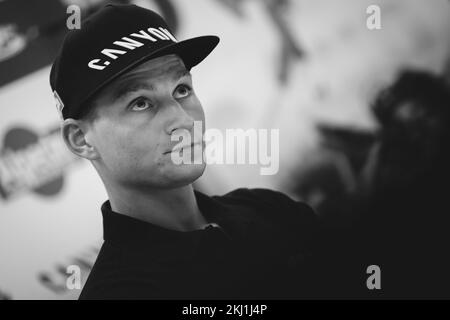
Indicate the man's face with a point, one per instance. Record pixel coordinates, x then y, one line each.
136 116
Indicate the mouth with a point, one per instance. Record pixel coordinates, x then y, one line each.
181 148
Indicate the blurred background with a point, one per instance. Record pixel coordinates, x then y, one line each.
362 114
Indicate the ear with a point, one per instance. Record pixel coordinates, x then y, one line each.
74 136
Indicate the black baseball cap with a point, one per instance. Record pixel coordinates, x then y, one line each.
110 42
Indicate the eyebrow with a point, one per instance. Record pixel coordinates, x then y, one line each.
136 83
131 86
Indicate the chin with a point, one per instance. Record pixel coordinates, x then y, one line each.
180 175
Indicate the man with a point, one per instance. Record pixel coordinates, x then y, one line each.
123 88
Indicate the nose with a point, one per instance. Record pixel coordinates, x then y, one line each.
178 118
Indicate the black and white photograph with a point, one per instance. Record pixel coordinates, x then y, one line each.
239 152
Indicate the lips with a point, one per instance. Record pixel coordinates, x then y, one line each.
178 148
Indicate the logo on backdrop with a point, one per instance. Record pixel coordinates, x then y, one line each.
33 162
11 41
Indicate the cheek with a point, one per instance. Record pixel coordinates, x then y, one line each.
122 148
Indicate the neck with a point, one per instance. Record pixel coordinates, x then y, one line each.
174 209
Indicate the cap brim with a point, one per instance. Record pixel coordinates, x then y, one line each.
191 51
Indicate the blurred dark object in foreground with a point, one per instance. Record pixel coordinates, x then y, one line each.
407 186
390 209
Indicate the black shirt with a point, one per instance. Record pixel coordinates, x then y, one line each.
256 247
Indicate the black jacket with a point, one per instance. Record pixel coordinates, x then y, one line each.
260 249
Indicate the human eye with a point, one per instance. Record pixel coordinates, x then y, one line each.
182 91
140 104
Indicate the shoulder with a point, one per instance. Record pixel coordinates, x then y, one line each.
272 205
116 275
97 284
266 199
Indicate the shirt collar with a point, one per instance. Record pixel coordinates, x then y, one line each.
124 230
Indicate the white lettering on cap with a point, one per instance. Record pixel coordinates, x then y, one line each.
160 34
